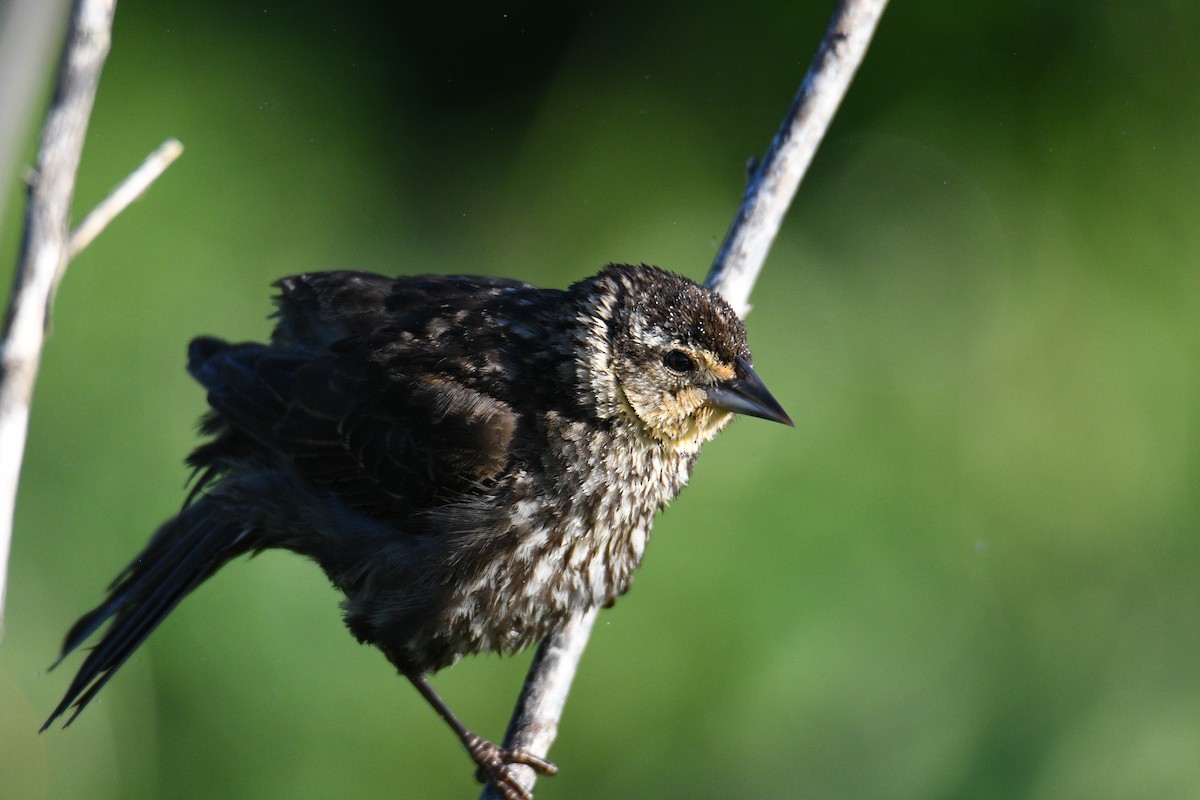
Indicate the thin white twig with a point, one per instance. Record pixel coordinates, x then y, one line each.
740 259
772 186
545 693
30 37
123 195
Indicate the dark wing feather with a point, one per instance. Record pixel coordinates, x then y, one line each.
319 308
383 434
179 557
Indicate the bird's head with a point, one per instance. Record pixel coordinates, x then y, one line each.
668 357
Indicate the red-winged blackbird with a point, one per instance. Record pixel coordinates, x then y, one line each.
470 460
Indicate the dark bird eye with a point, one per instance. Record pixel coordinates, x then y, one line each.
678 361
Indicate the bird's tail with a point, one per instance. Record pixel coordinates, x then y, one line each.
179 557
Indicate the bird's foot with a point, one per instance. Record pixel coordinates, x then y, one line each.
494 766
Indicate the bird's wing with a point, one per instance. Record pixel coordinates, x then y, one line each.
387 440
387 443
317 309
370 388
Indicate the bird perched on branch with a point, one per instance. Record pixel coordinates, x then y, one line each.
470 460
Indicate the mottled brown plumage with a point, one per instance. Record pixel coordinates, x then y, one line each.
470 460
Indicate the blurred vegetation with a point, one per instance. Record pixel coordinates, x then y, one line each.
970 572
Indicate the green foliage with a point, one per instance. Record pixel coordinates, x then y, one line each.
970 572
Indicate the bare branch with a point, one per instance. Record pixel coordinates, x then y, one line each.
545 694
768 195
44 245
30 32
773 185
121 197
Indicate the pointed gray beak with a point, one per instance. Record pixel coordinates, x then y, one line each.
746 394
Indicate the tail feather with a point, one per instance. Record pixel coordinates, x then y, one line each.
179 557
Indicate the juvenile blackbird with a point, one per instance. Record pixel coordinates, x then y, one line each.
470 460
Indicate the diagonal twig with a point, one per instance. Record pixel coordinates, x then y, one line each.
768 194
30 35
120 198
773 184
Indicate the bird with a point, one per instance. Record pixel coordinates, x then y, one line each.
470 461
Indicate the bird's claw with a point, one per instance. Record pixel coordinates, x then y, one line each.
494 762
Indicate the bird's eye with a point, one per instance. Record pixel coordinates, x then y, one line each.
678 361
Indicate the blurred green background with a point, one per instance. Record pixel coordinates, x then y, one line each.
970 572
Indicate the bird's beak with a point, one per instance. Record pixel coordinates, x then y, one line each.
746 394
